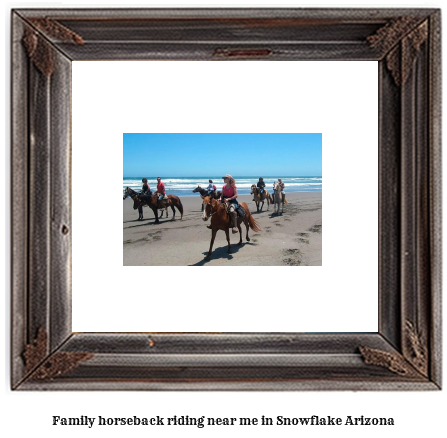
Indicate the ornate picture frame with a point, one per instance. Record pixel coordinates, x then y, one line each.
405 353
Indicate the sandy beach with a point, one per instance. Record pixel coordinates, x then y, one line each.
293 239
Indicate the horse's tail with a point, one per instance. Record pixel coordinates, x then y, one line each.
253 224
180 208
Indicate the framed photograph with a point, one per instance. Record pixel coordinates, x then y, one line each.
194 197
246 339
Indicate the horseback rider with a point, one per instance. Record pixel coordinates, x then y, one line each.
261 186
160 190
146 190
281 185
229 194
211 188
280 188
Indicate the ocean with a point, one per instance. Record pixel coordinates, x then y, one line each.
183 186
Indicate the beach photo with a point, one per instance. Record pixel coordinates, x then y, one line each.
222 199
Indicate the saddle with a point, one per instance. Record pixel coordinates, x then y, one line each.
261 195
164 203
227 207
239 210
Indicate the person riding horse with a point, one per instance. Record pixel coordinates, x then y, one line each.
279 196
229 194
146 190
160 190
211 188
261 186
280 184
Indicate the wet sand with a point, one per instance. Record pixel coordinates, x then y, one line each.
293 239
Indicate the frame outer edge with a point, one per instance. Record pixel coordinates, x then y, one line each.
19 208
238 386
38 256
350 13
39 203
435 138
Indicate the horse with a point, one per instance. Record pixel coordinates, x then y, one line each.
258 197
137 203
278 199
220 220
171 201
203 193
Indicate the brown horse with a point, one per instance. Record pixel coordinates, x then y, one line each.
220 220
171 201
260 198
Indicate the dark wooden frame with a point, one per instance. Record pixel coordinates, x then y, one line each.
405 354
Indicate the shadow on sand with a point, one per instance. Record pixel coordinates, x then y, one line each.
139 222
221 253
148 221
253 213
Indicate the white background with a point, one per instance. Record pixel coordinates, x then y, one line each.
416 414
110 98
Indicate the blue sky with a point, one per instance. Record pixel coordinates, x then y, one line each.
218 154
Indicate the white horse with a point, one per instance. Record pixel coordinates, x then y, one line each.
258 199
279 199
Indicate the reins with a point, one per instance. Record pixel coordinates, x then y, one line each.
217 210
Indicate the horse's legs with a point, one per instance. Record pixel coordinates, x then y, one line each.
247 226
227 234
156 215
240 231
262 205
173 213
213 236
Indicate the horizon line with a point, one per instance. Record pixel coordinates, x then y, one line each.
235 176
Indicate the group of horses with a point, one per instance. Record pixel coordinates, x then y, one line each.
151 200
211 208
278 199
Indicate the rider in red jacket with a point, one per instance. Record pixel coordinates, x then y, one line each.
160 189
